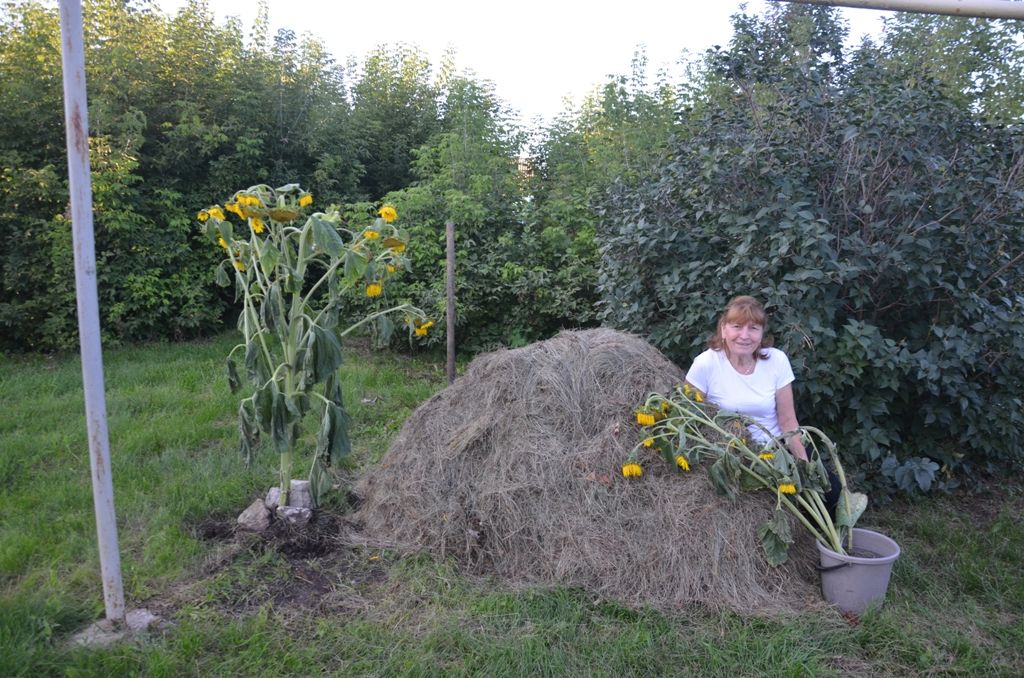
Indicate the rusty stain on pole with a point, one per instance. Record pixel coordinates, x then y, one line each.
80 188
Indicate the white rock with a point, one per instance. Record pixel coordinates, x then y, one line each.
256 518
298 495
295 515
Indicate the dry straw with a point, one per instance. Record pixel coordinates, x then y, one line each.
514 470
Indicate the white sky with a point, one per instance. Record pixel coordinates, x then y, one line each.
536 53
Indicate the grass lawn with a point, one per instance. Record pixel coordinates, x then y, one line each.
246 605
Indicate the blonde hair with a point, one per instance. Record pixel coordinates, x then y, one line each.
745 310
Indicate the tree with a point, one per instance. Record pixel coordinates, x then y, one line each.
180 108
395 111
977 62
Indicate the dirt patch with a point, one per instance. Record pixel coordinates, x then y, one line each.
308 569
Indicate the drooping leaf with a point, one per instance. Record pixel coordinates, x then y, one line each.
248 430
776 538
252 360
220 274
263 400
297 404
332 389
234 383
280 423
385 328
319 482
329 356
269 256
749 484
333 441
272 310
326 237
721 478
355 266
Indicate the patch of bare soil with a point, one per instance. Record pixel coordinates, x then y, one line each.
300 569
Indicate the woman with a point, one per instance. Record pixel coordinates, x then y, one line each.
740 372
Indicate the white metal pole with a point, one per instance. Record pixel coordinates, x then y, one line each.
77 124
449 230
989 9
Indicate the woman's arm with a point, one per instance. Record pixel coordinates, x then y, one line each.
787 420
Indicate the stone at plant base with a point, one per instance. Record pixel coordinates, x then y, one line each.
299 495
296 516
106 632
256 518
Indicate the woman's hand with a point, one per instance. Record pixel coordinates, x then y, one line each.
787 421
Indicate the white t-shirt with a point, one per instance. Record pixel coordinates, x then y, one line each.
752 395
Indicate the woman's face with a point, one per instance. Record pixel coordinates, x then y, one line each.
742 338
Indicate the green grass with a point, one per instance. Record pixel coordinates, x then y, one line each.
242 608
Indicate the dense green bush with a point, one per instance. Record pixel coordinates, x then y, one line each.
881 222
521 274
179 108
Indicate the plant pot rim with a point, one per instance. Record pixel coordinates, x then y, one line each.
861 560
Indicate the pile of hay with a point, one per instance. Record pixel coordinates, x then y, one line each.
515 470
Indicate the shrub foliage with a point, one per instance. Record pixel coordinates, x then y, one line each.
880 220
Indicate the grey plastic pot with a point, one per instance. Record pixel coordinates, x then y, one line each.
852 582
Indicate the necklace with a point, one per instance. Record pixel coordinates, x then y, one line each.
746 371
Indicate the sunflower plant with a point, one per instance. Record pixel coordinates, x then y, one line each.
685 431
292 271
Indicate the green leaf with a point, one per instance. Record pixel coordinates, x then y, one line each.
269 256
326 237
750 484
220 274
332 389
813 475
263 400
280 423
319 482
385 328
226 231
722 479
333 441
292 281
272 310
233 381
850 508
328 354
776 537
296 404
253 360
248 430
355 266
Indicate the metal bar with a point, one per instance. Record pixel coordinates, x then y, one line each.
77 128
988 9
449 232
